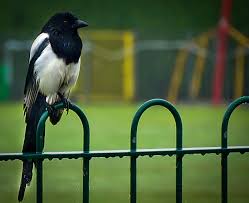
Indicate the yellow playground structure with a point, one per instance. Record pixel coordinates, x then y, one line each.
201 42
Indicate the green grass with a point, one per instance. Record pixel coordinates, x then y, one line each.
110 127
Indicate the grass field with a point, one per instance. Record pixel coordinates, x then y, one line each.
110 127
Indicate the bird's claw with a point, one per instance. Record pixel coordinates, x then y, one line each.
65 101
50 109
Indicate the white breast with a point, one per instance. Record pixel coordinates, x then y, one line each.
71 76
53 75
50 71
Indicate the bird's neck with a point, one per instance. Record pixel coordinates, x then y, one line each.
66 46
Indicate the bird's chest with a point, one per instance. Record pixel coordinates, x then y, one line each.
53 72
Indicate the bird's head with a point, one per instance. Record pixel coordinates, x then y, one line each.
64 22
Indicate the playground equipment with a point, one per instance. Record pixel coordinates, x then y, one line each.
201 43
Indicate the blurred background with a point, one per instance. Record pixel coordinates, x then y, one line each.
137 50
192 53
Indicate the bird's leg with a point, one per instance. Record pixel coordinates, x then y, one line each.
50 109
65 101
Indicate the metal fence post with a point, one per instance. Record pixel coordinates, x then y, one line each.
224 138
86 144
133 146
39 147
86 148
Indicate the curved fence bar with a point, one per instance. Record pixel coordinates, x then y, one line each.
224 138
133 146
86 148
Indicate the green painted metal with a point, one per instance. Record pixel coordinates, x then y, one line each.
133 146
125 153
224 138
86 147
133 153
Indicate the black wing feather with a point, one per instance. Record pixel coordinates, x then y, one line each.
31 86
30 74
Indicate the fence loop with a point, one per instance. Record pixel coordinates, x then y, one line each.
147 105
80 114
224 140
227 115
133 146
86 148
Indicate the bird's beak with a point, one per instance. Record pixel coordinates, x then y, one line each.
80 23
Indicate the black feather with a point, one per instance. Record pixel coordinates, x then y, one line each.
32 118
30 78
63 37
66 47
31 85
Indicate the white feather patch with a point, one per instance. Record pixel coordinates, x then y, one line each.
71 76
50 71
37 42
53 75
51 99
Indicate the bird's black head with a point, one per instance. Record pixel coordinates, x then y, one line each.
63 36
63 22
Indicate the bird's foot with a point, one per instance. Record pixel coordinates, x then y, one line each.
65 101
51 110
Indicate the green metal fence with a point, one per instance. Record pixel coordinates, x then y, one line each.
133 153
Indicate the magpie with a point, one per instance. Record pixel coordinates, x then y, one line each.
54 65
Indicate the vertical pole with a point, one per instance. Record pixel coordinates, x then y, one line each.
224 170
199 66
39 162
224 138
239 71
86 180
221 51
128 66
39 182
133 142
133 163
224 128
178 158
86 148
177 75
86 174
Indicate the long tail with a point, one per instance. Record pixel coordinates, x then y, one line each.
32 118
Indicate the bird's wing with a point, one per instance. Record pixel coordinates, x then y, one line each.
31 83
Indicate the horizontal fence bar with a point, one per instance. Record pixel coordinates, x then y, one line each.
124 153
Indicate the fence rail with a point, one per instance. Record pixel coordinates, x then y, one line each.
133 153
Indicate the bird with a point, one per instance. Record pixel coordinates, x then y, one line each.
54 65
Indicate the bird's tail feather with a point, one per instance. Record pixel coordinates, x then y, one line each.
32 118
26 178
